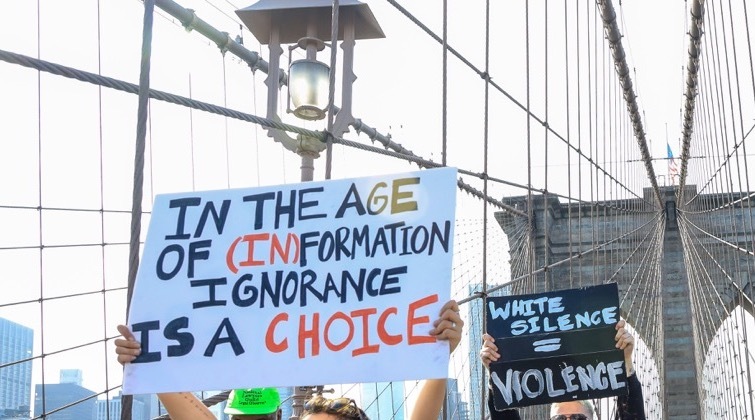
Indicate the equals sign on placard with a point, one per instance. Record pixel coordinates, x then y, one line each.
547 345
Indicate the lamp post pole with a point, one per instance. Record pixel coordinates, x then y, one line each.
276 22
309 148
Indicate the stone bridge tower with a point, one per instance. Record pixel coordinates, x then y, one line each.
639 246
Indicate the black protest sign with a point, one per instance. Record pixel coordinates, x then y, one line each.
556 346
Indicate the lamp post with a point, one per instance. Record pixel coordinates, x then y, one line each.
306 24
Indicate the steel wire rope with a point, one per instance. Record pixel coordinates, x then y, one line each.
547 278
481 74
732 283
579 140
695 293
176 99
518 279
742 227
332 87
701 343
530 210
486 128
706 122
57 297
646 252
568 138
225 126
40 214
593 153
714 259
138 181
101 197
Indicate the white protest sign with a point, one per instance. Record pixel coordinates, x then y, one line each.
313 283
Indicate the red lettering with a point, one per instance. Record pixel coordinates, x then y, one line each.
412 320
366 347
277 248
250 240
312 334
326 333
229 256
270 335
386 338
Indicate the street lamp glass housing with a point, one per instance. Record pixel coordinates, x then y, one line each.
308 82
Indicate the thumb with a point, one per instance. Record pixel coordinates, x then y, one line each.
126 333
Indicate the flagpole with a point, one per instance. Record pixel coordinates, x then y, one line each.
668 163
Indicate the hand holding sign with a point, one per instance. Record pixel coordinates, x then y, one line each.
556 346
489 351
449 325
625 341
127 348
348 273
181 405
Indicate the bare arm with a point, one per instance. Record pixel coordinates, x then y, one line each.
185 406
430 399
180 405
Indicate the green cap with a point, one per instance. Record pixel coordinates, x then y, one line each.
253 401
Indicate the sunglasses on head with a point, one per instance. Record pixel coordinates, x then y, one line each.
569 417
339 406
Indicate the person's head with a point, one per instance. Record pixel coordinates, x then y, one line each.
573 410
254 404
321 408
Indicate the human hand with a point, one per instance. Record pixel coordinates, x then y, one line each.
127 348
624 339
449 325
489 351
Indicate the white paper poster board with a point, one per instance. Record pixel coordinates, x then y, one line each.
301 284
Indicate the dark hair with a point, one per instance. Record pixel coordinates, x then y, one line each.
344 408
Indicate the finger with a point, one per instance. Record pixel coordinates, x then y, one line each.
120 342
489 348
490 354
449 314
450 305
620 324
449 334
453 316
128 351
446 325
625 341
619 333
489 344
126 333
125 358
488 357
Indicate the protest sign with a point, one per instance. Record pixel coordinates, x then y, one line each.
556 346
314 283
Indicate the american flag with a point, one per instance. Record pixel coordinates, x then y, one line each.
673 169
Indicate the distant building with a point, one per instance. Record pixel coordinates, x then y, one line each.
458 409
476 312
148 401
57 396
383 400
111 409
71 376
287 402
476 369
16 343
